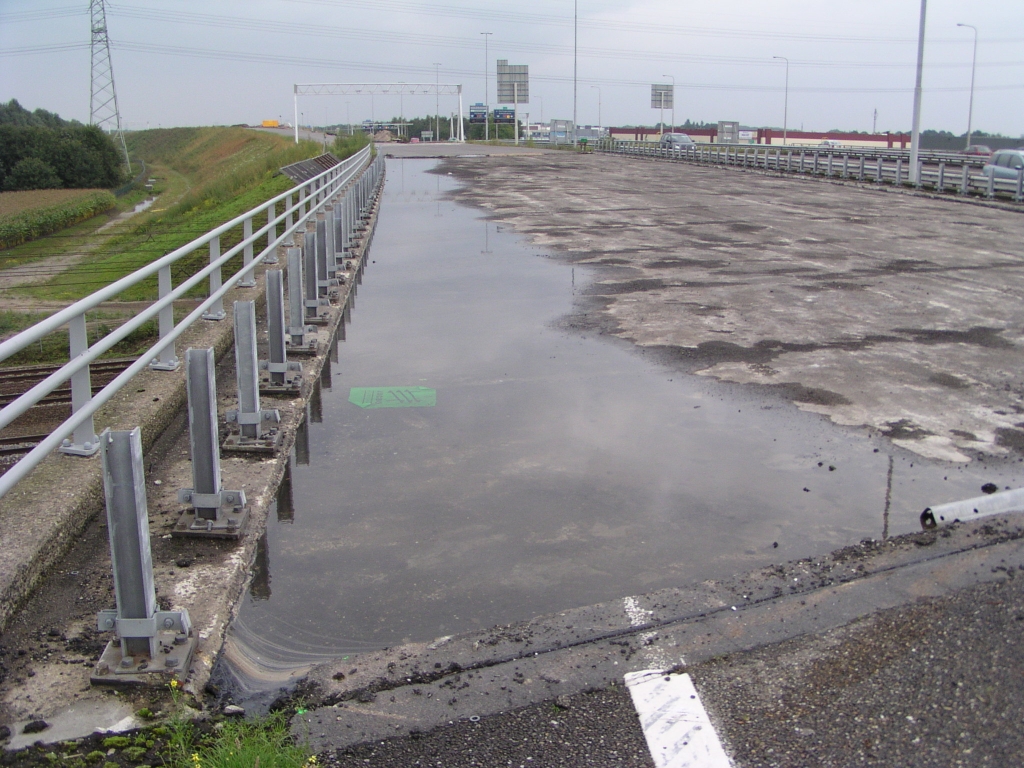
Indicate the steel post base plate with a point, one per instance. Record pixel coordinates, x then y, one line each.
291 387
230 524
311 348
236 443
174 661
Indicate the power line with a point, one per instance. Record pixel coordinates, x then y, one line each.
319 30
306 61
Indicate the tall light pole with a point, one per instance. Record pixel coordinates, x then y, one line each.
348 119
673 102
575 26
598 105
541 100
437 101
915 133
785 102
974 61
487 116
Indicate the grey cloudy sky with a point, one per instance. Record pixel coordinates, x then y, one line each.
202 62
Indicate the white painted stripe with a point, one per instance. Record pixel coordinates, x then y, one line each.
652 652
678 730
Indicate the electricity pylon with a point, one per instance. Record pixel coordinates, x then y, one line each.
103 111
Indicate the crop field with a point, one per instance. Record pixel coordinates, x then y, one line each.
211 175
32 214
16 202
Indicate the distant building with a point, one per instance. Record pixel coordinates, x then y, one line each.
751 135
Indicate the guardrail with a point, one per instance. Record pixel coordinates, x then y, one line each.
77 435
938 171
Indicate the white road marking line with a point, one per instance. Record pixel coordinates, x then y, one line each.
678 730
653 654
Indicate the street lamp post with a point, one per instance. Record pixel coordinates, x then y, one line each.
541 100
487 115
673 102
915 131
974 61
437 102
598 105
785 102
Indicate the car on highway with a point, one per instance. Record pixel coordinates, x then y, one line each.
830 143
978 150
676 141
1006 163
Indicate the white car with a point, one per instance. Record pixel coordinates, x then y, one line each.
1006 163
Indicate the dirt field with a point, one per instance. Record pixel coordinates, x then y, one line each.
893 311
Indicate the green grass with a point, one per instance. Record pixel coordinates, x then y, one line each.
243 744
216 173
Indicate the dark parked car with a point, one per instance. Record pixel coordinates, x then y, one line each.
676 141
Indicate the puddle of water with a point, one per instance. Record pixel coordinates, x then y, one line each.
552 471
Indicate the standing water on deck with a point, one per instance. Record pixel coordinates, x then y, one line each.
529 469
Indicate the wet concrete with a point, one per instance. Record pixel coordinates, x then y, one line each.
556 469
876 307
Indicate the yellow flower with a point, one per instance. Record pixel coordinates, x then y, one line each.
174 684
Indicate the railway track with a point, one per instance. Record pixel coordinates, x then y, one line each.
16 380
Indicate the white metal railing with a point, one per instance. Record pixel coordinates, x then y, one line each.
312 196
938 171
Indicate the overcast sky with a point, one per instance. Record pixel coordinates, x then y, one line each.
192 62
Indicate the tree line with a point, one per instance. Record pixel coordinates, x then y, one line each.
39 150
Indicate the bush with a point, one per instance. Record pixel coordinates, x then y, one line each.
32 173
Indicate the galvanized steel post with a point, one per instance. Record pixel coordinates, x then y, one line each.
85 442
311 279
248 273
168 359
296 287
215 512
322 281
216 310
271 253
249 417
136 620
277 350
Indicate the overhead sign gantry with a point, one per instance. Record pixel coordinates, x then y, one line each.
377 89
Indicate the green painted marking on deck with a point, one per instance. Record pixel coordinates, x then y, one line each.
393 397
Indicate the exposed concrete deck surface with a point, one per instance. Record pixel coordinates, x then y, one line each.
893 310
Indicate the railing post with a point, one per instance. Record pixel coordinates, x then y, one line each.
846 165
271 252
142 630
329 231
860 174
288 221
296 287
85 442
254 431
168 359
990 189
339 227
919 183
310 282
215 512
899 171
965 180
1019 196
283 376
248 273
940 183
216 310
880 172
323 282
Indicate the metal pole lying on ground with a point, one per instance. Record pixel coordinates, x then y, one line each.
993 504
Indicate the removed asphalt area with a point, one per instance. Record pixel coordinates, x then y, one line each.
894 311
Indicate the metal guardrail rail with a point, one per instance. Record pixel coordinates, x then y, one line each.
938 171
77 434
